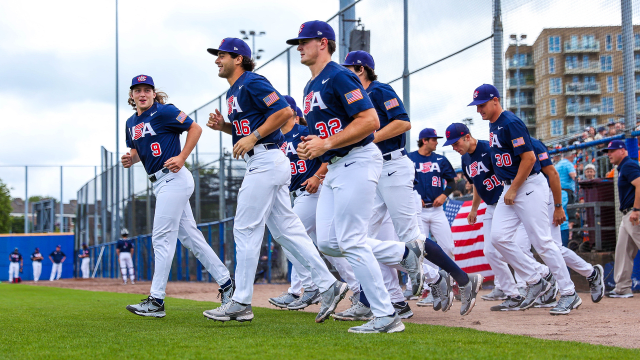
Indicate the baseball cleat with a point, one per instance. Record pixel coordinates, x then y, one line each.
330 299
283 300
309 297
357 312
148 307
566 304
413 265
132 282
385 324
615 294
596 283
232 310
225 294
549 297
511 304
534 292
469 292
403 310
427 301
408 295
442 292
495 295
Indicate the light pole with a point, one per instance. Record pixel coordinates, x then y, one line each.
255 53
517 41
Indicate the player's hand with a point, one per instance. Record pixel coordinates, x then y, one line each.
439 200
312 184
127 160
559 216
472 217
510 197
175 163
216 121
312 147
635 218
244 145
20 269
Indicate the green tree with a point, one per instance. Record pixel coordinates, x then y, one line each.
5 208
17 225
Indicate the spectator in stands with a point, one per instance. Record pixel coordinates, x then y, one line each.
468 189
461 182
455 194
602 132
591 134
611 129
620 127
567 173
589 172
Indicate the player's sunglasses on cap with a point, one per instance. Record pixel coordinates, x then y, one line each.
142 79
429 133
291 101
232 45
315 29
484 93
359 57
454 132
615 145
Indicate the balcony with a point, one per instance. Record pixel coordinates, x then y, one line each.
512 64
525 103
529 120
582 89
582 47
581 67
524 83
584 109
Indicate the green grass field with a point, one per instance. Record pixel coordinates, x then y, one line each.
44 322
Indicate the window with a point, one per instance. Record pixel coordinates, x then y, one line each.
609 83
620 83
557 127
607 105
574 42
552 106
637 103
636 40
585 61
555 86
589 79
552 65
571 62
605 63
607 42
619 42
636 61
554 44
588 41
637 82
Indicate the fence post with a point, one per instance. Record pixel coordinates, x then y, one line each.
211 244
406 87
269 258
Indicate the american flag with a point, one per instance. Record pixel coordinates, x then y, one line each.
391 103
271 98
468 239
517 142
137 131
353 96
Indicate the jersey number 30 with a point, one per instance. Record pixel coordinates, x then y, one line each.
503 160
300 168
334 128
155 149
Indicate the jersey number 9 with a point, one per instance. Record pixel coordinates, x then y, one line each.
242 127
334 128
300 169
155 149
503 160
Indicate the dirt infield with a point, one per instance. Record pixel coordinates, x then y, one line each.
613 322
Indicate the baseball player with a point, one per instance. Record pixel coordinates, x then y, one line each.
57 257
153 136
15 265
523 200
124 251
86 260
36 262
256 112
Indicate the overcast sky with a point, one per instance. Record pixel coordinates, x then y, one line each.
57 65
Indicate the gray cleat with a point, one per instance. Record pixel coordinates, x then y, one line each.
442 292
309 297
403 311
534 292
230 311
566 304
385 324
148 307
495 295
427 301
225 294
550 296
330 299
283 300
614 294
596 284
408 295
413 265
511 304
469 292
357 312
548 302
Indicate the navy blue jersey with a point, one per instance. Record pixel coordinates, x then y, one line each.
541 153
124 245
57 256
250 101
15 257
431 174
330 102
301 170
628 171
155 134
389 107
478 169
509 138
35 256
83 252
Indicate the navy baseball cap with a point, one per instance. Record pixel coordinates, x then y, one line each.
615 145
484 93
359 57
142 79
232 45
291 101
299 112
429 133
315 29
454 132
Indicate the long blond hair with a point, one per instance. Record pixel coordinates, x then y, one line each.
161 97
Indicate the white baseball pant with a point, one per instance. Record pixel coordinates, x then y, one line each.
126 263
37 270
263 199
14 270
84 267
429 269
173 219
386 230
56 271
433 220
531 207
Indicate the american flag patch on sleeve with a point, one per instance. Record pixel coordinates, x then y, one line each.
543 156
353 96
271 98
517 142
182 117
391 103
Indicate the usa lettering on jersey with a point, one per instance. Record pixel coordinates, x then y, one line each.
493 140
429 167
140 130
288 148
232 104
476 168
313 99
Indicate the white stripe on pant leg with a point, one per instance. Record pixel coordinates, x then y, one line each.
502 274
37 270
522 239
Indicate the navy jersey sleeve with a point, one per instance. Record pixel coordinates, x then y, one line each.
631 171
128 136
447 170
63 255
391 105
265 97
52 253
541 152
518 138
351 93
176 121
